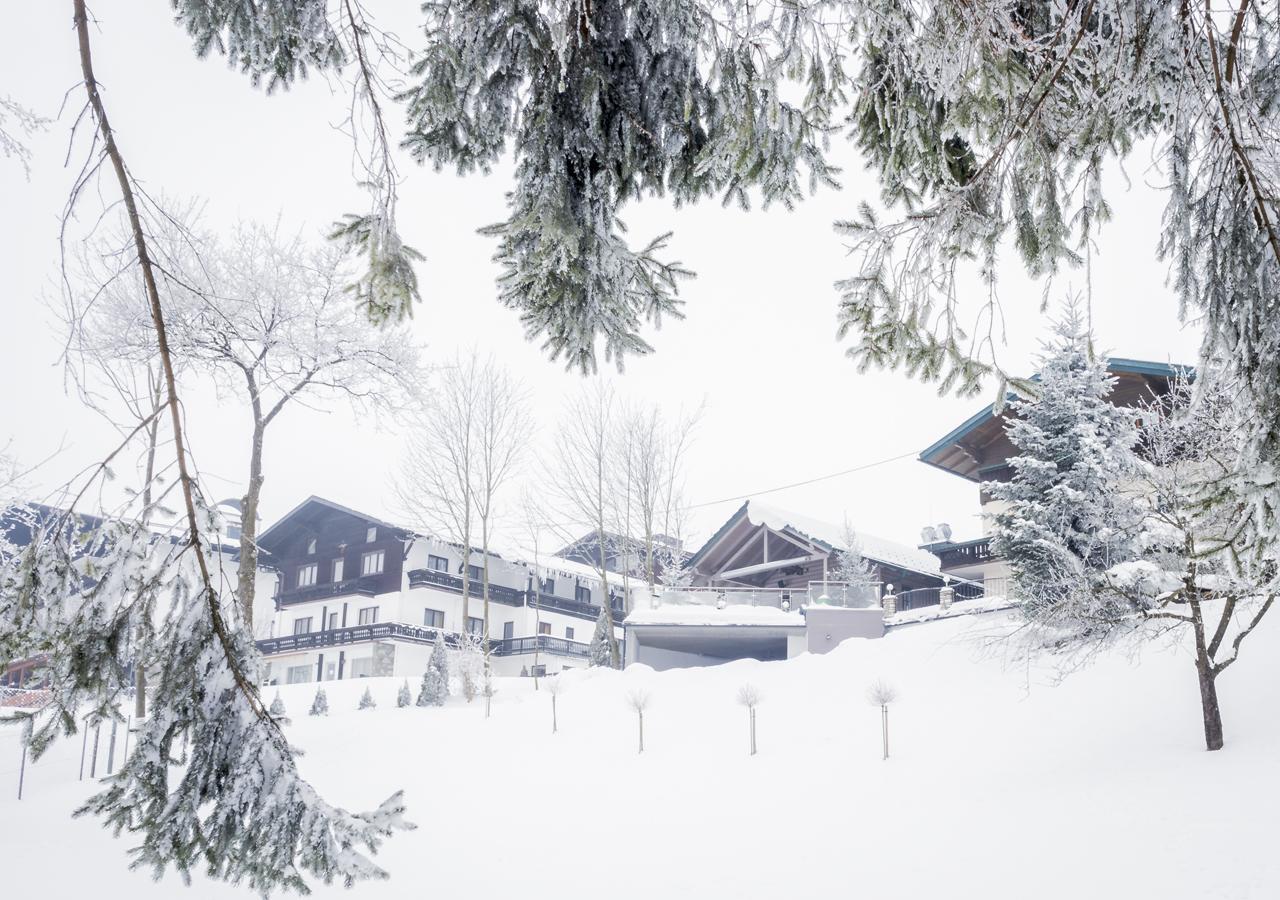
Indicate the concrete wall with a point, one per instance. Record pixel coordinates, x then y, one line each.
827 626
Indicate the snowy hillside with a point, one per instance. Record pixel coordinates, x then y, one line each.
999 785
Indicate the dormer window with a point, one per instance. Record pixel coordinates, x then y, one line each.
311 547
371 535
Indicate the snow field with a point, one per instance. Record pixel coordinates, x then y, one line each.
1000 785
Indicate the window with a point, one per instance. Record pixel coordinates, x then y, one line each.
302 626
311 547
362 668
297 675
307 575
474 625
544 628
549 586
371 563
337 570
371 535
437 563
433 618
474 572
333 621
568 633
582 594
369 615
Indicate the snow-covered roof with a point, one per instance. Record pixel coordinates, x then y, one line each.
698 614
832 535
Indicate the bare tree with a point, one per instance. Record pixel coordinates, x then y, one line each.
749 696
533 521
880 693
265 314
436 485
581 477
638 699
649 468
502 425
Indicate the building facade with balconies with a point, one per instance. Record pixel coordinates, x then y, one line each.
360 597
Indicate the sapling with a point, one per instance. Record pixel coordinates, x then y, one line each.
639 701
278 711
488 690
554 687
404 697
881 694
320 705
749 696
367 701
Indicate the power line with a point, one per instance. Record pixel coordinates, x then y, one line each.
773 490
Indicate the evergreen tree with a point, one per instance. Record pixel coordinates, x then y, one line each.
367 701
320 705
600 652
277 710
404 697
852 568
1067 518
435 681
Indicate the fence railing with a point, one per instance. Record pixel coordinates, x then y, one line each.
837 593
498 593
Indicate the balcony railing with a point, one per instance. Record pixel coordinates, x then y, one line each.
356 634
498 593
364 586
966 554
543 643
381 631
573 607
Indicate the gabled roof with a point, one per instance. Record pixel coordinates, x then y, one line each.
953 451
268 536
827 535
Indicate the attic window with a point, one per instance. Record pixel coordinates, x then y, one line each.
371 535
311 547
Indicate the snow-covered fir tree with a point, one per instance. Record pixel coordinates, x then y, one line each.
1195 568
599 652
435 681
1067 517
852 568
367 701
404 697
277 710
320 705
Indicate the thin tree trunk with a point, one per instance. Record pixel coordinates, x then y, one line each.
1207 678
484 590
554 724
248 570
641 732
884 729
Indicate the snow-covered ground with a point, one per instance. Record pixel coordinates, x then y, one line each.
999 785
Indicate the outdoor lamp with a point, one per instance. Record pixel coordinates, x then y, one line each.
786 604
720 603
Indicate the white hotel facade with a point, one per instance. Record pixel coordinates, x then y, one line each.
360 597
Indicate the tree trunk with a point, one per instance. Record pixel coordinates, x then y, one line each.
1209 707
248 570
641 732
1207 678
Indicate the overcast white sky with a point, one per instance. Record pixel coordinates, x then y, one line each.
783 402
